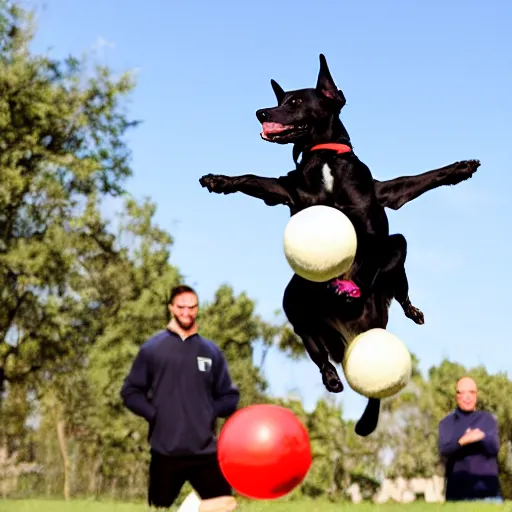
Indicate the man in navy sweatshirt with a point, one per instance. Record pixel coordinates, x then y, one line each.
180 383
469 444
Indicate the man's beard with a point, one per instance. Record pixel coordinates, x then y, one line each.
184 326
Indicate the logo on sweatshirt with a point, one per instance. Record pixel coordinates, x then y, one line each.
204 364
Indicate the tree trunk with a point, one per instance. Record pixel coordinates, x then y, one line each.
2 382
93 479
61 434
113 488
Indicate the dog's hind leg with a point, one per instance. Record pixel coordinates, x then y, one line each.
299 307
395 193
317 352
394 273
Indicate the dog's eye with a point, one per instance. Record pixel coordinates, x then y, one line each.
296 101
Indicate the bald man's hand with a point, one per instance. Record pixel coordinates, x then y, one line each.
472 435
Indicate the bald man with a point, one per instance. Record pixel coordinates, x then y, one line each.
469 445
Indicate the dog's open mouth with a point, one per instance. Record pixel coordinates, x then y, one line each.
276 131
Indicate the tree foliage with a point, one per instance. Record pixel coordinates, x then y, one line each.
62 149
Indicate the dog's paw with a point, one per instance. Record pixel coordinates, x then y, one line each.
463 171
414 314
468 167
216 183
345 289
331 379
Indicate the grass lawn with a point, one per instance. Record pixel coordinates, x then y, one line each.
278 506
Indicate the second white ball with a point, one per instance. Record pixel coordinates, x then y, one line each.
377 364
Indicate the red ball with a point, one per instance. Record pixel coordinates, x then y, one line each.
264 451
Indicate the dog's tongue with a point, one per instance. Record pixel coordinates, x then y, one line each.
274 127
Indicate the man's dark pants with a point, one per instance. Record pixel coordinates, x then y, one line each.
167 475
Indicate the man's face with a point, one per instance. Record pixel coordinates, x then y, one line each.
467 394
184 309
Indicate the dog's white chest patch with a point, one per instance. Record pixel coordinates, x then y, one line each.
328 178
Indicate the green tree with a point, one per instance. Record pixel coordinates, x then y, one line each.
409 429
231 322
133 292
62 150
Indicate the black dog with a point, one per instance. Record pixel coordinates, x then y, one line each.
326 316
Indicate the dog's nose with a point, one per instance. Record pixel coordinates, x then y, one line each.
262 115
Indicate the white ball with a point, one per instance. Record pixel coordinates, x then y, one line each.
320 243
377 364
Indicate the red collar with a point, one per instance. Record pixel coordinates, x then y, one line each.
334 146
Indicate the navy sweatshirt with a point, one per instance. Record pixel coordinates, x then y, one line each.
180 387
471 470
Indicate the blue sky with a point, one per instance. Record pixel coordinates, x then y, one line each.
427 84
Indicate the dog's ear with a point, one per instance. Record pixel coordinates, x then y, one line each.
325 84
278 91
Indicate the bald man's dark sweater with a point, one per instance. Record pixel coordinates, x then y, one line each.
180 387
471 470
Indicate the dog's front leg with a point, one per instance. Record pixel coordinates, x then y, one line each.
399 191
271 190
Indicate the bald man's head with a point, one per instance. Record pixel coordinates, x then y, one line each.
467 394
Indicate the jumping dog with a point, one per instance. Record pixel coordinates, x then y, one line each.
326 316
